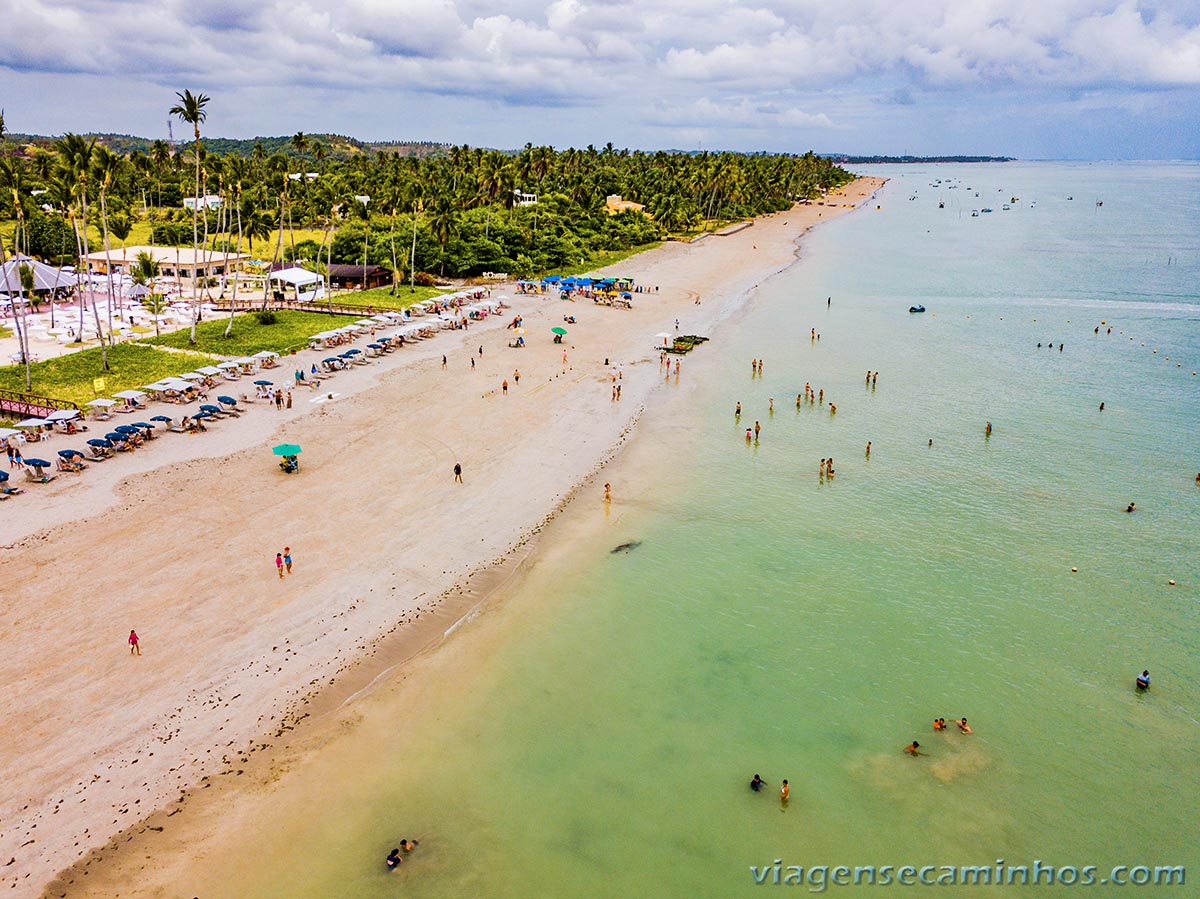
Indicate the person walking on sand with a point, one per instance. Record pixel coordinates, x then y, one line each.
504 386
135 648
516 376
481 351
607 491
289 399
472 363
287 559
443 362
279 564
278 400
458 473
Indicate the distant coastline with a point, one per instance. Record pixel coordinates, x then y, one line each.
842 159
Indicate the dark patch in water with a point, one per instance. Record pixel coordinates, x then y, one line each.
626 547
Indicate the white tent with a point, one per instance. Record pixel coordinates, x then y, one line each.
295 276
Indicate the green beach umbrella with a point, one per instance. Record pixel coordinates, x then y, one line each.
559 331
286 449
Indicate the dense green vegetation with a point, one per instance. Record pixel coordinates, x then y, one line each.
70 377
290 330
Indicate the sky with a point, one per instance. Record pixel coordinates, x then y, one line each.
1034 79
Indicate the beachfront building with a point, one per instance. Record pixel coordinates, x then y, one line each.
173 262
209 201
613 203
351 277
520 198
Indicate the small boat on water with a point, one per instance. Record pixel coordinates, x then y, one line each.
916 308
1005 207
974 213
986 209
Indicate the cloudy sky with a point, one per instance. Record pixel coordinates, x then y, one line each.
1085 79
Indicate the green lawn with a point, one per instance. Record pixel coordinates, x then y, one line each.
70 377
602 259
382 297
291 330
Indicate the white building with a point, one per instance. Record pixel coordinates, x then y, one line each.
209 201
521 198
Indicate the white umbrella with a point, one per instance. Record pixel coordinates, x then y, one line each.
224 365
209 370
5 433
63 415
31 423
130 395
102 403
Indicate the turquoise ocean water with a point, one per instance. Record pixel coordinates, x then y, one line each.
771 622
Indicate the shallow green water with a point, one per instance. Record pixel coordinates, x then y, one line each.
773 623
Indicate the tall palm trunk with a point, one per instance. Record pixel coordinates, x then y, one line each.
92 293
195 238
392 239
107 258
238 253
275 258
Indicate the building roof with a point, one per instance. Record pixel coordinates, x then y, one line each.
185 256
341 270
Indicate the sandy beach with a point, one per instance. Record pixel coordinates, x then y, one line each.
179 539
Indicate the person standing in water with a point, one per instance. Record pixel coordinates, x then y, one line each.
757 783
987 431
1143 680
737 410
913 748
785 793
756 430
868 449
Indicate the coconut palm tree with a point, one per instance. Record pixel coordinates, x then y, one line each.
76 155
25 272
239 174
106 166
191 111
144 271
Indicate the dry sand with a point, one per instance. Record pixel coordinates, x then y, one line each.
178 541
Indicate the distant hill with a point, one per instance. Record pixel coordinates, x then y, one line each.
843 159
337 146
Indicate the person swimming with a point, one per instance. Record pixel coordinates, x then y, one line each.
963 726
1143 681
393 860
1132 507
757 784
913 748
939 724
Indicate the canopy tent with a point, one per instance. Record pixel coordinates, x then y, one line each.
45 277
309 285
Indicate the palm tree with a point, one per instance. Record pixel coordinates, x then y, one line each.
442 224
190 110
362 211
76 155
144 271
239 173
107 166
25 272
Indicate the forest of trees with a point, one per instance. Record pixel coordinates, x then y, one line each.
449 210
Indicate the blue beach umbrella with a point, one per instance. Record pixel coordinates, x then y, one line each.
264 383
203 413
68 453
165 418
37 463
330 359
126 429
209 407
375 346
114 436
227 400
352 352
143 424
96 441
3 476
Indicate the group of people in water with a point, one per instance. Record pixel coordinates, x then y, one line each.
785 791
939 726
396 856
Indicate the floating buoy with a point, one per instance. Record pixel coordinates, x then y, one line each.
1172 583
1074 570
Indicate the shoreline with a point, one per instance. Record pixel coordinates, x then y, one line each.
371 654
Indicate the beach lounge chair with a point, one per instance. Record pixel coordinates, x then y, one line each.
97 453
32 475
178 429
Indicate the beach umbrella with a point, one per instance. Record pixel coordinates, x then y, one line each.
3 476
125 429
352 352
375 346
130 395
37 463
227 365
5 433
143 424
114 435
68 453
63 415
559 331
103 403
31 423
203 413
209 370
96 441
165 418
264 383
330 359
209 407
227 400
286 449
